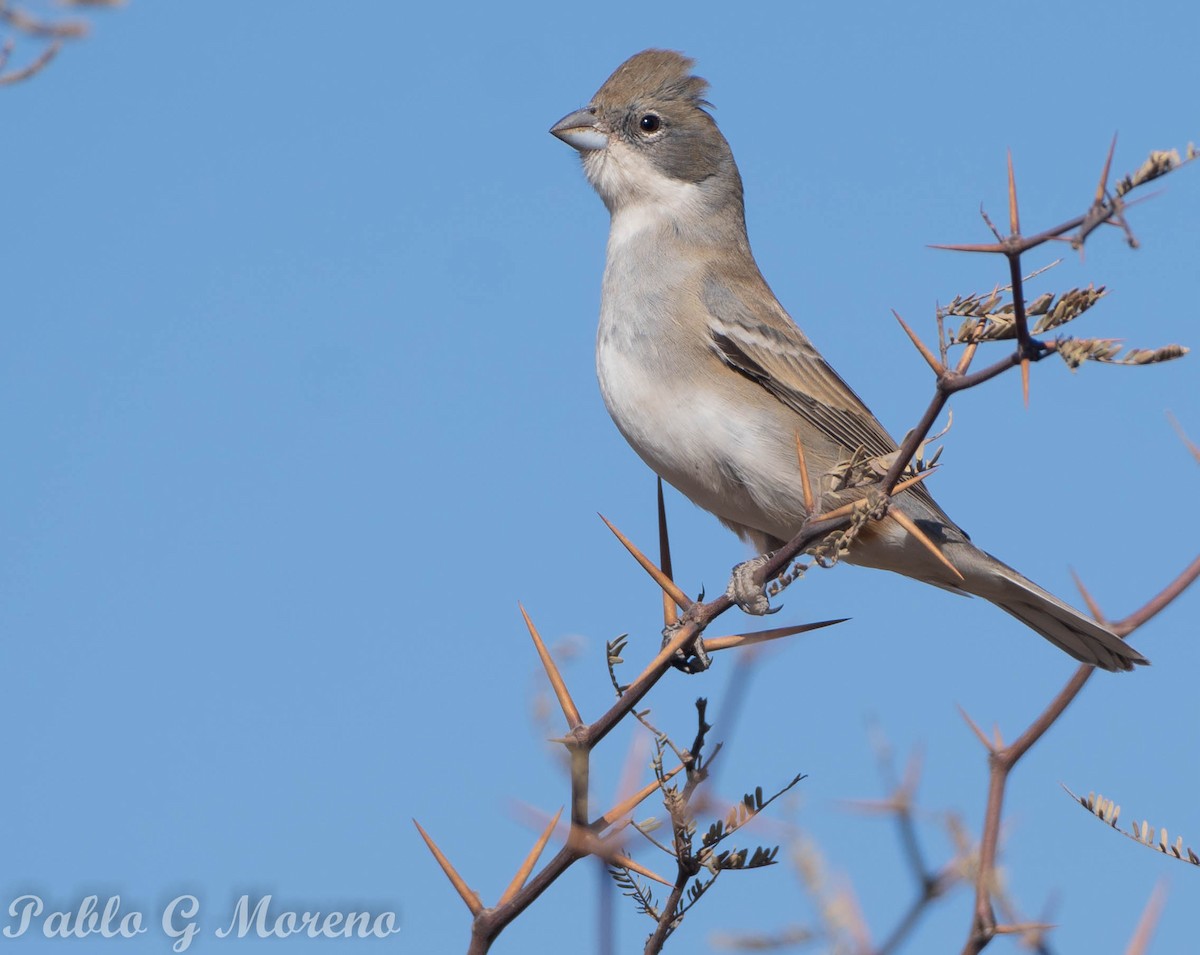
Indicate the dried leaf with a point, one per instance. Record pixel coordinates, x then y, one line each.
1107 811
1159 163
1075 351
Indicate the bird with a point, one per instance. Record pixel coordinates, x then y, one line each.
711 381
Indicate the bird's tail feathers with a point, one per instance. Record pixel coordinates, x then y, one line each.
1064 626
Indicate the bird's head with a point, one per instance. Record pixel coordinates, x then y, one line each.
646 136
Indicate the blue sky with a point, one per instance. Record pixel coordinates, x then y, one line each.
298 401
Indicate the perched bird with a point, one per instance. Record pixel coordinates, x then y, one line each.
711 381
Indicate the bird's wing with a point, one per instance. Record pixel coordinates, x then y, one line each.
753 335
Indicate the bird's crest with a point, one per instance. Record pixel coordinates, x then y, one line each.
663 74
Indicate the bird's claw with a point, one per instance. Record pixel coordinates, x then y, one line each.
747 594
691 659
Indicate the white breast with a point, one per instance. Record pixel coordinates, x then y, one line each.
714 440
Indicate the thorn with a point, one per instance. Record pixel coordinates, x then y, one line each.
844 511
988 222
806 486
665 582
556 681
938 368
628 805
518 881
1025 380
874 807
631 767
1102 185
965 362
627 863
993 247
1093 607
670 616
1143 198
1014 220
910 482
909 525
987 744
1187 442
762 636
997 739
456 880
847 509
1024 928
912 774
1140 943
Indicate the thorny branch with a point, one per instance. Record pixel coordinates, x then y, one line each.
1002 759
17 21
1106 207
685 630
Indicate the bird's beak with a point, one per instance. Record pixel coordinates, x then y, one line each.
579 130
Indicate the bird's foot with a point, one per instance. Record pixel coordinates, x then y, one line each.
688 659
747 594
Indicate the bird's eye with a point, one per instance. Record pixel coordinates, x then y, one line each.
650 123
